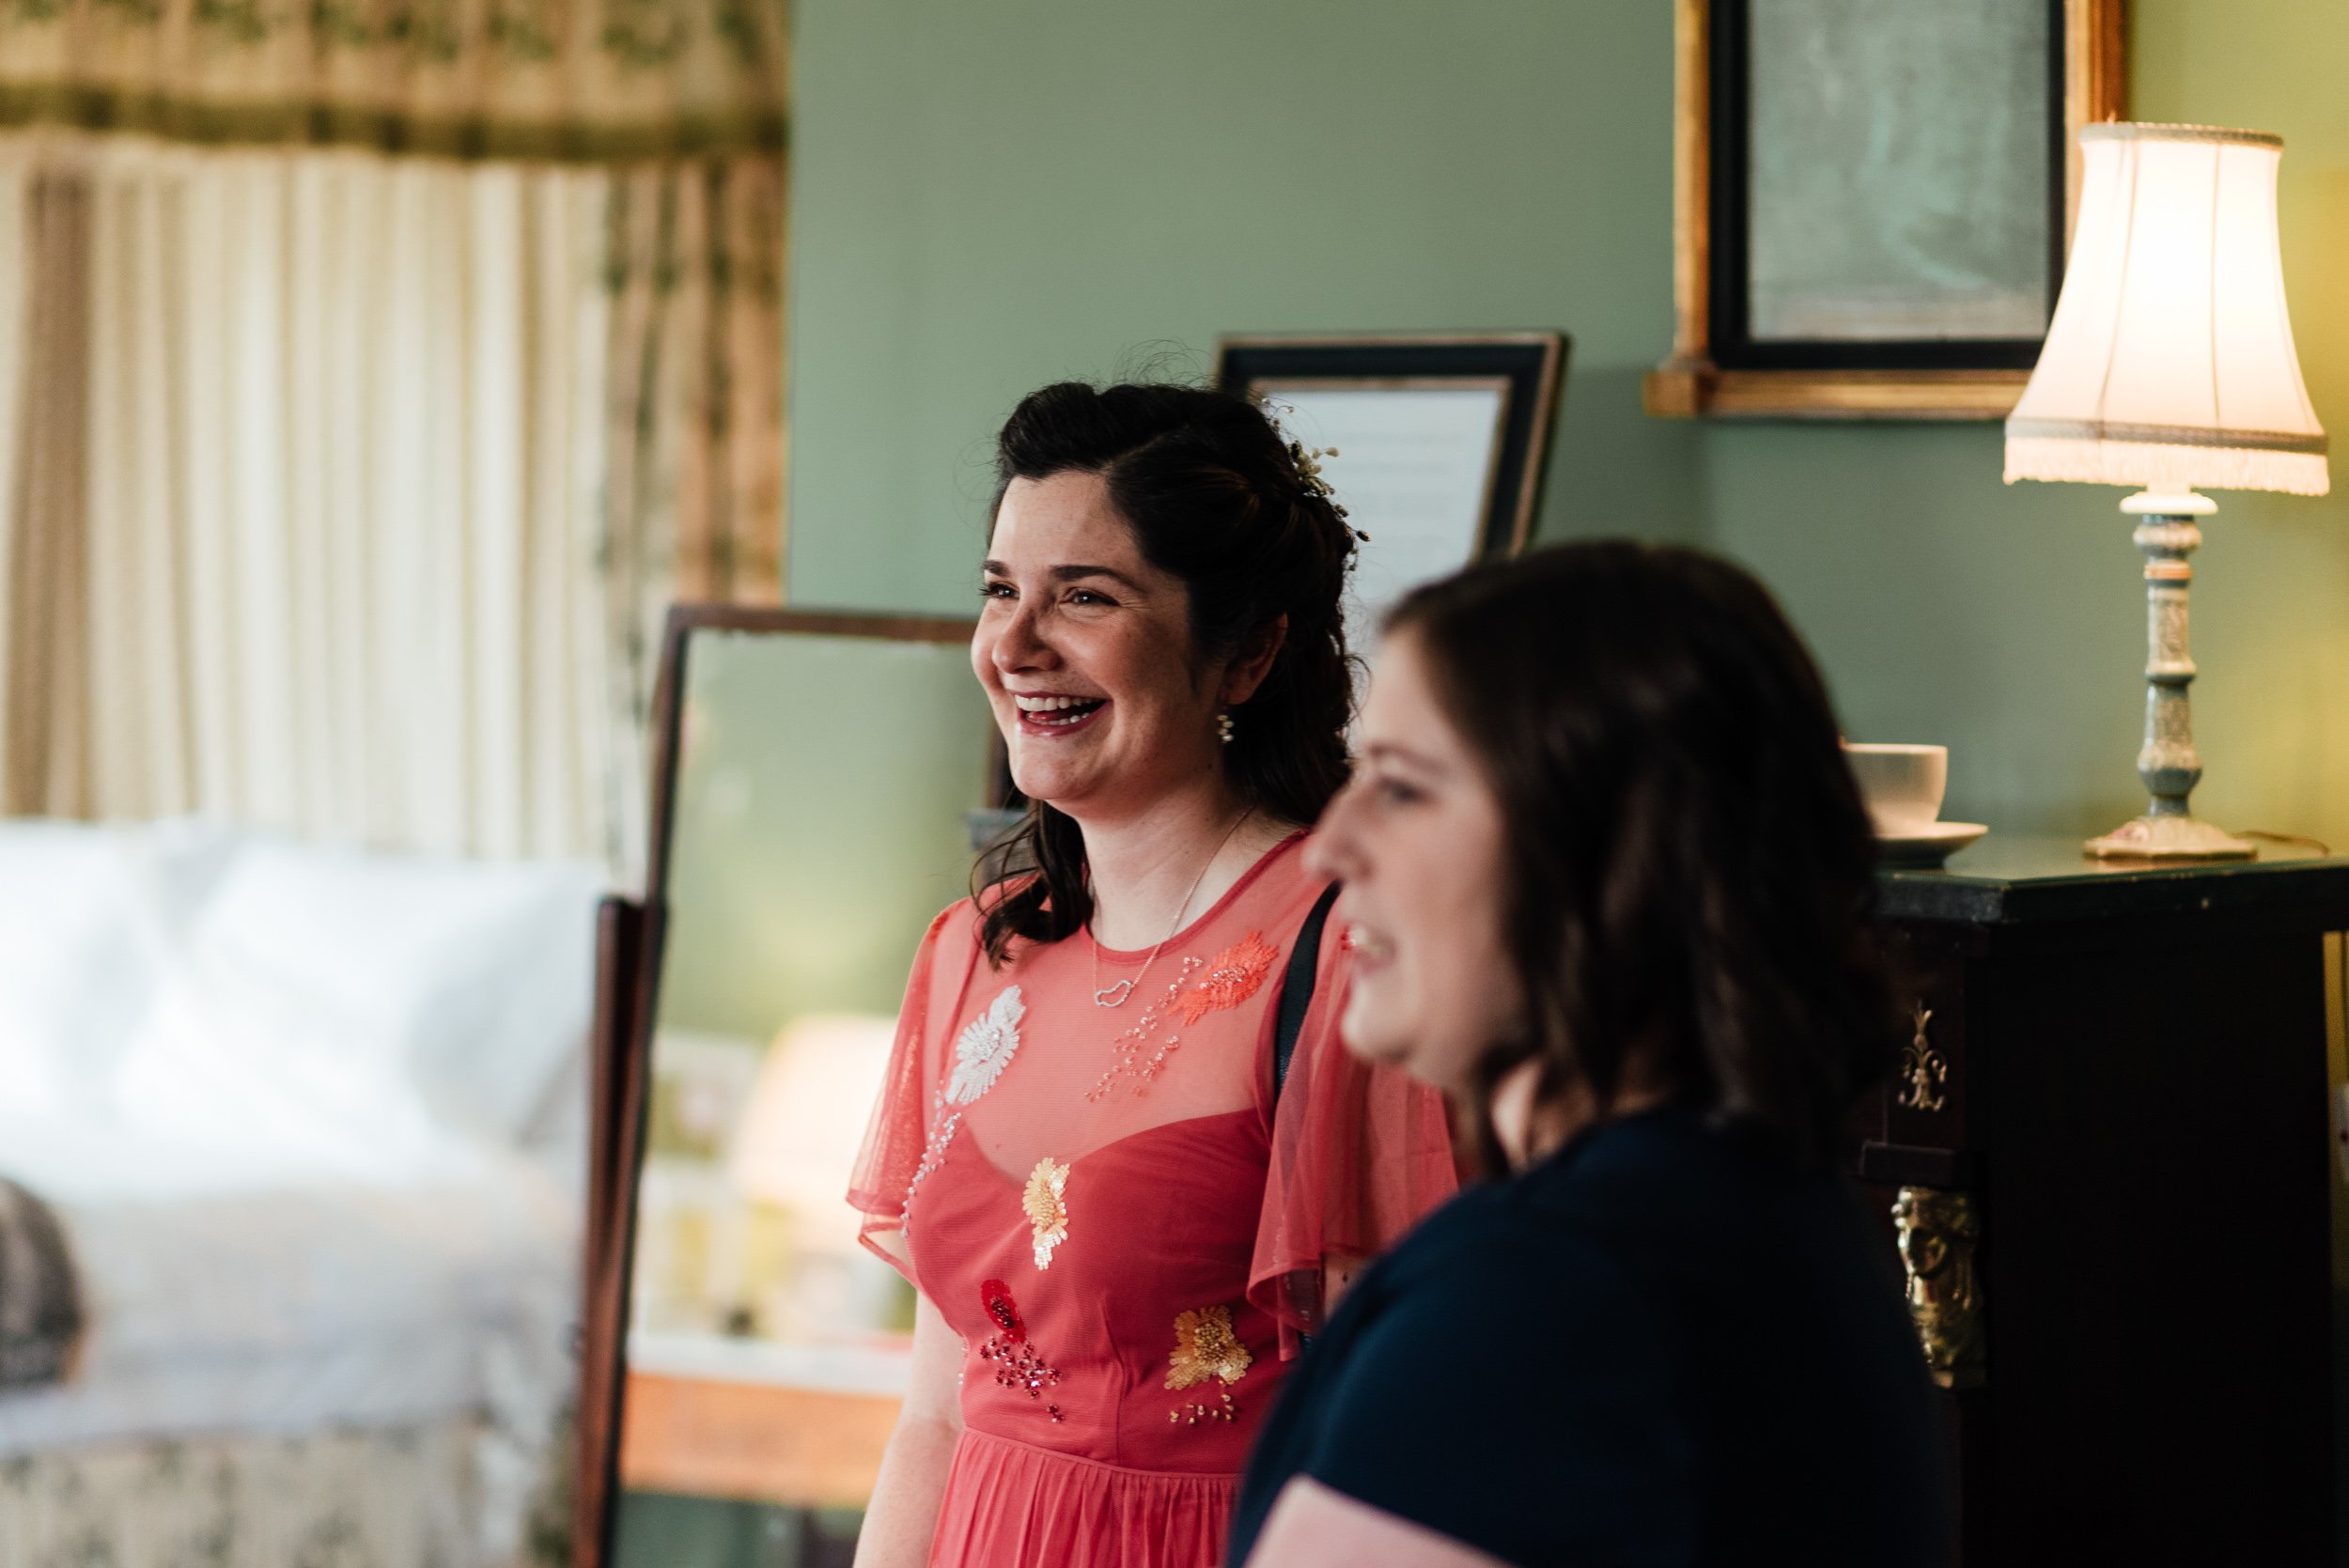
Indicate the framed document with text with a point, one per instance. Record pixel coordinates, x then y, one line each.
1434 444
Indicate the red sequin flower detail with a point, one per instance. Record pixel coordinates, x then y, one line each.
1233 976
1017 1364
1002 1310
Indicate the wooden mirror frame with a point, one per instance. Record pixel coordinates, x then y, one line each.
628 984
1692 384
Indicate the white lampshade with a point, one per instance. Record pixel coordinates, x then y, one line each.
2169 363
805 1118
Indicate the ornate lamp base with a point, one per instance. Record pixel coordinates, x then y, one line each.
2166 535
2170 838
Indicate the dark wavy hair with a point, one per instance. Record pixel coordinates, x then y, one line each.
1214 497
1689 872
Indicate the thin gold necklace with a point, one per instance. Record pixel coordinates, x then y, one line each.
1114 995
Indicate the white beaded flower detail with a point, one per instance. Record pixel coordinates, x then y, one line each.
984 1048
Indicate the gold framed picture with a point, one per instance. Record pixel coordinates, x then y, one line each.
1871 204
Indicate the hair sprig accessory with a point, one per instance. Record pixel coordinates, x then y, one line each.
1307 461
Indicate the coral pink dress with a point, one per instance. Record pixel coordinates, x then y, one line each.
1125 1228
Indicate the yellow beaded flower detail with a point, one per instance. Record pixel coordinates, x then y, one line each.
1048 1215
1204 1347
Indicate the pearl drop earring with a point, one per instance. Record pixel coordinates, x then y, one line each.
1224 728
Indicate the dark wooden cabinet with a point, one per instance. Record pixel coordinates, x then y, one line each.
2114 1098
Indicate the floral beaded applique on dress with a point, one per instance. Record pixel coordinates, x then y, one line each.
1204 985
1017 1363
1233 976
1205 1347
1131 1056
984 1049
1048 1210
1103 1224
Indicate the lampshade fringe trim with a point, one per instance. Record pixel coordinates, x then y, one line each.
2163 466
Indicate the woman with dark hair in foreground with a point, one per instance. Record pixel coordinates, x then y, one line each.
1607 879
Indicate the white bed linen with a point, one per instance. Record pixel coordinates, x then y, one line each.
289 1105
297 1303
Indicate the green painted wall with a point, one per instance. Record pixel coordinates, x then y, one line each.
993 193
989 195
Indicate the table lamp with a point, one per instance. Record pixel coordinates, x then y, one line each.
2170 366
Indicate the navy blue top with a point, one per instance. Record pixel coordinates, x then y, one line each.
1653 1348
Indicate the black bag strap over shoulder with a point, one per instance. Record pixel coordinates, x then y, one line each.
1296 988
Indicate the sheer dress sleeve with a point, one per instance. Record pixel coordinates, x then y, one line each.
898 1131
1360 1152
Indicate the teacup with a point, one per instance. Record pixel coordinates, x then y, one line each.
1902 784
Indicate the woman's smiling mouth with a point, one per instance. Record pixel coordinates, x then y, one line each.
1044 715
1371 950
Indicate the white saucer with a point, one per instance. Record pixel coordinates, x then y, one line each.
1927 845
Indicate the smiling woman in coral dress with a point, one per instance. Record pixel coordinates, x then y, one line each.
1119 1215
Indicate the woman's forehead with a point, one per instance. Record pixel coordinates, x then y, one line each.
1066 517
1403 716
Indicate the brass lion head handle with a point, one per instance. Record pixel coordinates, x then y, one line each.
1939 1231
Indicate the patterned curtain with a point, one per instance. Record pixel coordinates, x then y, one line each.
45 389
694 435
344 494
596 80
693 265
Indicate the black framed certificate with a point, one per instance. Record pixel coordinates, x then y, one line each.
1434 444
